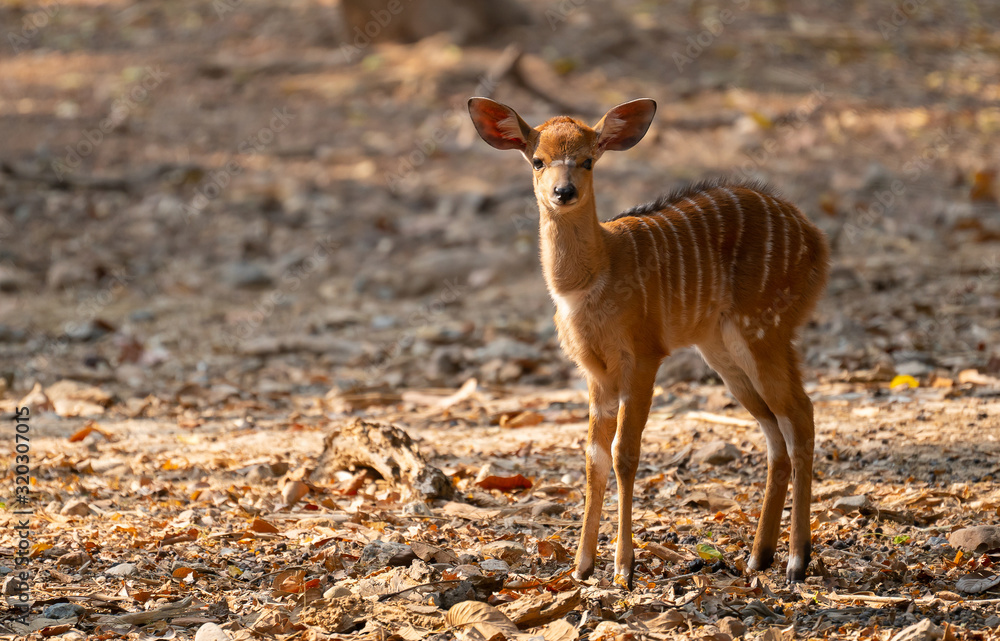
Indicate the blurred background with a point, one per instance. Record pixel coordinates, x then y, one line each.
265 199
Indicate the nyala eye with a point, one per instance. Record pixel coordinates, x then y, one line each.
537 163
588 163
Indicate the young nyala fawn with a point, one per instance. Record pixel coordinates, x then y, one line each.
729 268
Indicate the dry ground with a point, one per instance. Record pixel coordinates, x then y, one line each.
274 237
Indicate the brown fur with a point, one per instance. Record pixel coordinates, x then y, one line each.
729 268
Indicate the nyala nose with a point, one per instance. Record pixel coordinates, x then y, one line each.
565 194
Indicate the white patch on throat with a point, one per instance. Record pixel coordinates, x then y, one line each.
569 303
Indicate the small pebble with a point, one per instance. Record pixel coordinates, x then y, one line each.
418 508
211 632
494 565
141 316
732 626
384 321
122 569
337 592
63 611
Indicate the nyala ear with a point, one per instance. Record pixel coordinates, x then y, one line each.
500 126
625 125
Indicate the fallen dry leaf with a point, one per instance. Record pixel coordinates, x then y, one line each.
505 483
978 581
89 428
263 527
480 618
553 550
524 419
293 492
533 610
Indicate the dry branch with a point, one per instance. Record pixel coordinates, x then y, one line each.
389 451
720 419
168 611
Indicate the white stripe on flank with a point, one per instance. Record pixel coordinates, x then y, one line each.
802 236
666 288
719 235
784 228
642 285
697 264
659 273
739 237
767 242
713 263
682 315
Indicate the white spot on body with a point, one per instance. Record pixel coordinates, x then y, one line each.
777 320
760 333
